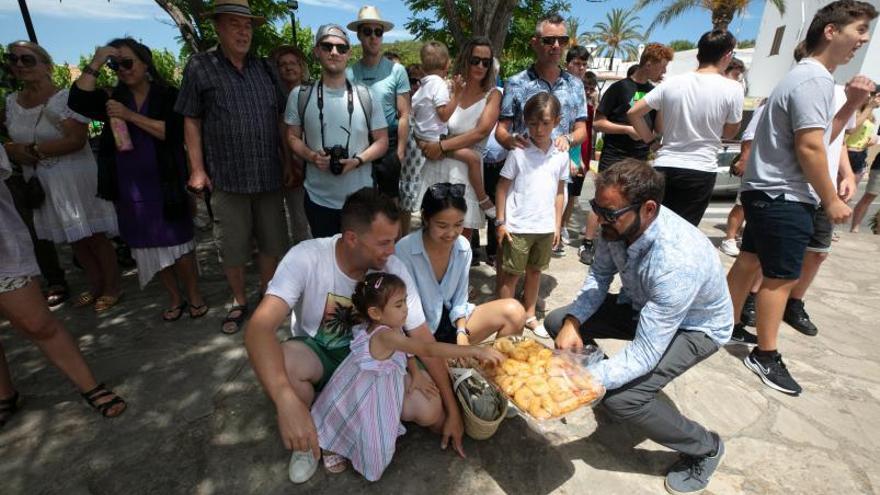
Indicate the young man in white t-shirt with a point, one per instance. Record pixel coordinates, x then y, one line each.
698 110
315 281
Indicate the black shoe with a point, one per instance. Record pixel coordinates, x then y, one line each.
587 252
796 316
742 336
749 314
772 372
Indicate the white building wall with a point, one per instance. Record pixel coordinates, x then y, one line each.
766 70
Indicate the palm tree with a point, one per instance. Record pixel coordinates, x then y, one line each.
620 32
572 26
722 10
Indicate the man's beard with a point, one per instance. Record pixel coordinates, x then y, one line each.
611 234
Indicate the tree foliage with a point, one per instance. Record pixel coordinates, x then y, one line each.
722 11
682 45
620 33
508 24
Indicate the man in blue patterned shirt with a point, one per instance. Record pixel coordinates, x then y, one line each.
673 305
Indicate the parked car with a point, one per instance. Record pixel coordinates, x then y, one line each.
727 184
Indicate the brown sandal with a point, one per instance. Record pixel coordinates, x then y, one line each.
99 392
104 303
84 299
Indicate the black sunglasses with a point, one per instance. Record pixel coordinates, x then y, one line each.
26 60
609 215
443 190
367 31
552 40
120 63
341 48
486 62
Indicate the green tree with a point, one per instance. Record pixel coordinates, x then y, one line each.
681 45
509 25
620 32
746 44
722 11
197 32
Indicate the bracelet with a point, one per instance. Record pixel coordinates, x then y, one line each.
90 71
462 331
360 161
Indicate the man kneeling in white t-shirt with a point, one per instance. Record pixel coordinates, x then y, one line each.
315 280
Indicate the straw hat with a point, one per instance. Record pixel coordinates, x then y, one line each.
235 7
369 15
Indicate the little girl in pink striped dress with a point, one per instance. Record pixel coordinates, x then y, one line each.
358 413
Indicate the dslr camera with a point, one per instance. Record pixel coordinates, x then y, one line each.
336 153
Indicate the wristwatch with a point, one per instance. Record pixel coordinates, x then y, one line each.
499 223
462 331
90 71
570 140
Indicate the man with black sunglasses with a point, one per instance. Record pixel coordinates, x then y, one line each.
338 129
673 306
545 75
389 85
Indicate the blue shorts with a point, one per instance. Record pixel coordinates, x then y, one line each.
778 231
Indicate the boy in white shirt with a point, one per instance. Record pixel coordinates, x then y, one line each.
432 106
530 198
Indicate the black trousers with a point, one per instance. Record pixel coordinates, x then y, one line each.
491 174
688 192
323 221
636 402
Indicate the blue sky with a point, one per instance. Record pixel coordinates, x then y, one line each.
70 28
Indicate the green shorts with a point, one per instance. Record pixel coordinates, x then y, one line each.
239 218
330 358
526 251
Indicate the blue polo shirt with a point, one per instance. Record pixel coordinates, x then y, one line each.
567 88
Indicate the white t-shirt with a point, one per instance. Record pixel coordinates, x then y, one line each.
432 93
749 133
835 148
531 201
694 107
310 281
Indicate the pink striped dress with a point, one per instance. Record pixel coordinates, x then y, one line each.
357 414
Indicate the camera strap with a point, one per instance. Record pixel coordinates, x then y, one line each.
349 91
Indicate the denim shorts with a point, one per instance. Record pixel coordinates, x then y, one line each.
778 231
823 230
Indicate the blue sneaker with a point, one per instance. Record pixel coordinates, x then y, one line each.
692 474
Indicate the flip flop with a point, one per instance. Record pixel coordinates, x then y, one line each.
104 303
174 314
198 311
84 299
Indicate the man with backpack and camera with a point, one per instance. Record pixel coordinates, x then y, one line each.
338 129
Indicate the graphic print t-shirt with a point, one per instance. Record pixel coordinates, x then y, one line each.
619 98
311 283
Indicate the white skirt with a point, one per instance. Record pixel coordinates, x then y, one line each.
72 210
151 261
454 172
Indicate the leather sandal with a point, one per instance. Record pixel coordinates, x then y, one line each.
99 392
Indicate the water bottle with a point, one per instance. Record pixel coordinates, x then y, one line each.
120 134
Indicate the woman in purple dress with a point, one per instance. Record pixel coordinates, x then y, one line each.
147 181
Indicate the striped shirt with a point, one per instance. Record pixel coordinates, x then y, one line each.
240 112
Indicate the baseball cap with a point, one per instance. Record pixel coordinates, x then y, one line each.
331 30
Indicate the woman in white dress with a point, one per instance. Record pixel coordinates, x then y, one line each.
51 141
469 126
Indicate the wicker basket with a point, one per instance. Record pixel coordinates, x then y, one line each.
475 427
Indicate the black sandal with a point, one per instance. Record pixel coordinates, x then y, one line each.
99 392
198 311
8 408
177 311
57 294
238 320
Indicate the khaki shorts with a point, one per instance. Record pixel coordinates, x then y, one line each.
873 186
526 251
238 218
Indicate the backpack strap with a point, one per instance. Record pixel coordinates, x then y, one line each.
366 101
302 100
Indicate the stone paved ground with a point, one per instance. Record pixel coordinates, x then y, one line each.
198 422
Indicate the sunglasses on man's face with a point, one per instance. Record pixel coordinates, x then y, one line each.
368 31
445 190
485 62
552 40
26 60
120 63
341 48
610 215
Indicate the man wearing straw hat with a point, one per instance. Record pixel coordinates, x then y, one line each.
232 105
389 85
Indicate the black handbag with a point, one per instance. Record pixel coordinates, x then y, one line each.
34 194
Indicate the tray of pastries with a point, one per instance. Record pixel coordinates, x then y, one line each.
542 382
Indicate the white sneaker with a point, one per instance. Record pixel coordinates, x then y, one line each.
729 247
565 238
302 466
540 331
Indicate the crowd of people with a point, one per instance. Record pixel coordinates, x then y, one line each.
338 162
